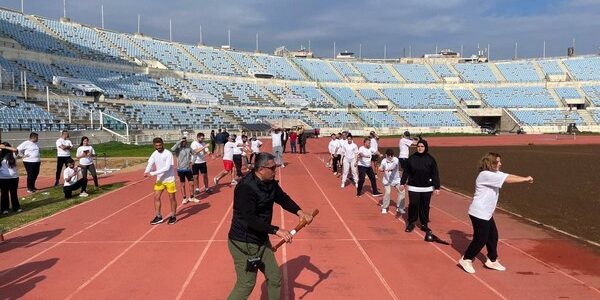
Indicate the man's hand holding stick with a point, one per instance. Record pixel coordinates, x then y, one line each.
305 219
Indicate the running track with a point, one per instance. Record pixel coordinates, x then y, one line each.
105 248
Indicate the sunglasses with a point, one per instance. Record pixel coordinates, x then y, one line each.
272 168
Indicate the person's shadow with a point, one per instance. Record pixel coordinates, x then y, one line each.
30 240
294 268
18 281
191 209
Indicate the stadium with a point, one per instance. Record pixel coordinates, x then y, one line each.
124 89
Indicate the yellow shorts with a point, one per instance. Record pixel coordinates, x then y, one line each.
159 186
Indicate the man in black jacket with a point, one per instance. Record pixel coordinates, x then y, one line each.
248 243
285 135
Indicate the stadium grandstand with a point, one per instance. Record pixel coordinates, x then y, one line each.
58 74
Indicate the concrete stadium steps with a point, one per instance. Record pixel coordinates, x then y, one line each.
497 72
234 63
357 71
538 69
314 119
369 103
299 68
585 96
276 98
328 97
564 68
395 73
432 72
587 117
169 88
232 121
453 97
192 58
54 34
106 40
336 71
559 102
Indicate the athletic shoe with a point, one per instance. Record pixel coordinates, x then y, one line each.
216 180
208 190
282 166
172 220
234 182
83 194
467 265
5 212
400 211
157 220
377 194
410 227
335 173
356 185
383 211
343 185
193 199
185 201
425 228
197 191
56 183
30 191
494 265
19 210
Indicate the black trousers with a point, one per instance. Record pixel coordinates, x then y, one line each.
403 163
336 162
60 162
68 190
302 147
418 207
485 234
237 162
33 170
8 187
92 168
362 171
283 144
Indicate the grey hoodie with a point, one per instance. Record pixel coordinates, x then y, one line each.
184 155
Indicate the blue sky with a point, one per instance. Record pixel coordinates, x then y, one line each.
419 24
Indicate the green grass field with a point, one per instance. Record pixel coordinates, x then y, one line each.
46 203
113 149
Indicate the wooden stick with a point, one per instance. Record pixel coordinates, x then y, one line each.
294 231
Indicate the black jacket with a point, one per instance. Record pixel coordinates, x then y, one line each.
253 209
421 170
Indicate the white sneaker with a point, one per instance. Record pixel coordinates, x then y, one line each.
400 211
334 173
383 211
193 199
216 180
185 201
356 185
234 182
467 265
5 212
343 185
282 166
494 265
83 194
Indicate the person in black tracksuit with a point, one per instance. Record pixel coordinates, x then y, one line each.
422 177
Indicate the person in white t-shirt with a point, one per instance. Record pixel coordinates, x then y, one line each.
332 148
349 163
365 154
227 161
277 146
405 143
30 151
9 179
199 166
487 189
255 145
63 153
390 166
162 160
238 152
73 180
86 154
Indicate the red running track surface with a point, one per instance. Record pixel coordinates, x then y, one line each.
105 248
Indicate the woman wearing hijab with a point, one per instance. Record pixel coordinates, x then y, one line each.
422 179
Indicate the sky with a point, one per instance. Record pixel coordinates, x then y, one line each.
397 25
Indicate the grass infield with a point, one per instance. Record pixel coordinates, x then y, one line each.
47 202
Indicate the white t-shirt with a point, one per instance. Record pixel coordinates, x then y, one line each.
6 172
255 146
364 159
60 152
276 139
86 160
350 151
332 147
165 172
30 151
69 172
405 147
198 158
340 147
239 144
391 174
228 151
374 146
487 190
